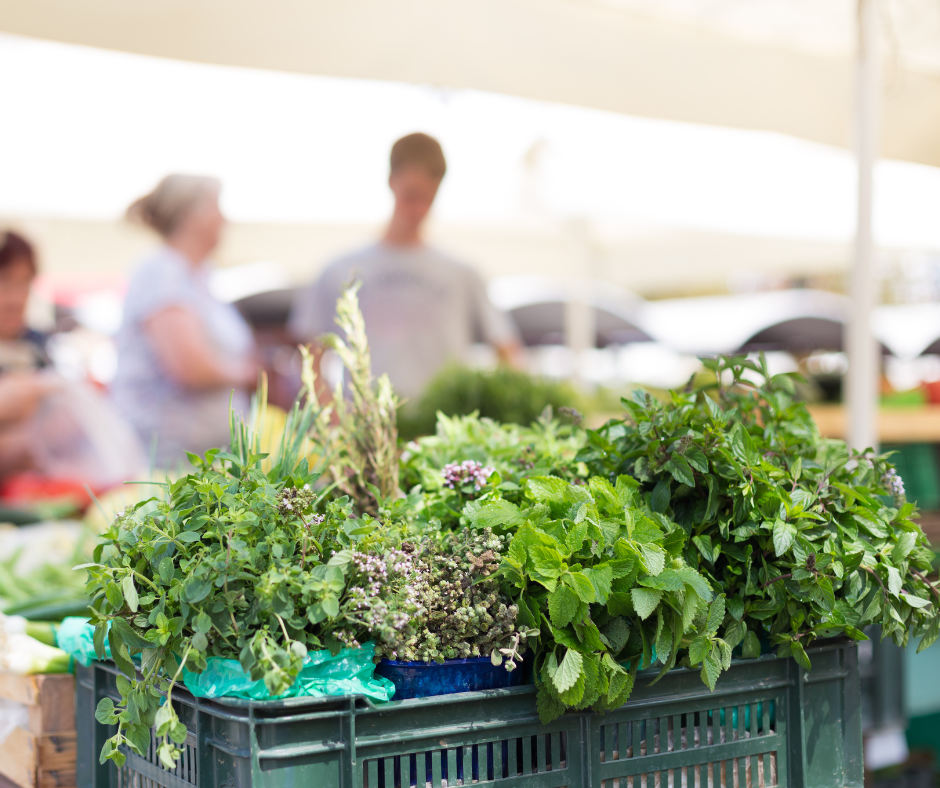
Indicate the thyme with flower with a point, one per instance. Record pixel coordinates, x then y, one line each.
434 599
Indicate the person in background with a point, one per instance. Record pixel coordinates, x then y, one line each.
422 308
183 355
24 375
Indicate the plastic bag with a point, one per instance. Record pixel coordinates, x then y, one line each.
77 434
76 637
350 672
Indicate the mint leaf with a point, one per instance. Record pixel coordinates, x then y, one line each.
698 649
680 469
617 633
582 586
716 614
800 655
659 498
548 705
130 593
894 581
601 577
784 534
645 601
751 646
711 668
652 558
576 535
562 606
195 590
568 672
104 712
499 514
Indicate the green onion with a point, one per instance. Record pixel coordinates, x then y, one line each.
21 654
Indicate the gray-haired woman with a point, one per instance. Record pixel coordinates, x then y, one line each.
181 352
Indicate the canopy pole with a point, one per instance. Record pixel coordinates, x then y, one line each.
580 321
863 373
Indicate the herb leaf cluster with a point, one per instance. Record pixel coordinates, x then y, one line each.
603 580
714 522
805 538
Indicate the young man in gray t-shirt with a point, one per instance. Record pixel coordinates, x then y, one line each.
422 308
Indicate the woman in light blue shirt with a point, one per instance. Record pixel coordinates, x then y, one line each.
183 355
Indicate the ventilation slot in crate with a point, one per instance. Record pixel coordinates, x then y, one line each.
493 763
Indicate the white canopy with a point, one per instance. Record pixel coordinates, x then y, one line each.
779 65
660 58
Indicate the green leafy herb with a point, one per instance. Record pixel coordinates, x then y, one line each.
601 577
804 538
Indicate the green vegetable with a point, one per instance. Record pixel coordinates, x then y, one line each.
246 557
43 631
513 452
603 579
23 655
805 538
503 394
52 608
716 520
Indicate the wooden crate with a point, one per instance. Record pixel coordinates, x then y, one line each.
42 753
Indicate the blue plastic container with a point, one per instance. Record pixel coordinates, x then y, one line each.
424 679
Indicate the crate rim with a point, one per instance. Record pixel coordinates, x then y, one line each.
363 702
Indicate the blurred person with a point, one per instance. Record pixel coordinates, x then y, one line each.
25 377
422 308
183 355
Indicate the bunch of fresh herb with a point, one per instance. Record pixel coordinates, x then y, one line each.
234 561
359 434
503 394
805 538
604 582
434 599
546 447
432 466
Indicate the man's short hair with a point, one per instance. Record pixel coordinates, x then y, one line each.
420 150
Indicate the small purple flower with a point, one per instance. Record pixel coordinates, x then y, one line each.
893 483
457 474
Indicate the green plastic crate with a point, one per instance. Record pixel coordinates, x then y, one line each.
769 723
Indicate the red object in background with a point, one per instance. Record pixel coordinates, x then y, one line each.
67 289
27 488
933 392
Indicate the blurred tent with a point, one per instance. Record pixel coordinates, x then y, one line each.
543 323
726 324
911 329
777 65
798 335
808 68
539 308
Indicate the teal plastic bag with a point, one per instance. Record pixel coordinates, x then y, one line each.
76 637
350 672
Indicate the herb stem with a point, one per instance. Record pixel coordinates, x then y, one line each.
874 574
926 581
147 580
775 579
283 628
